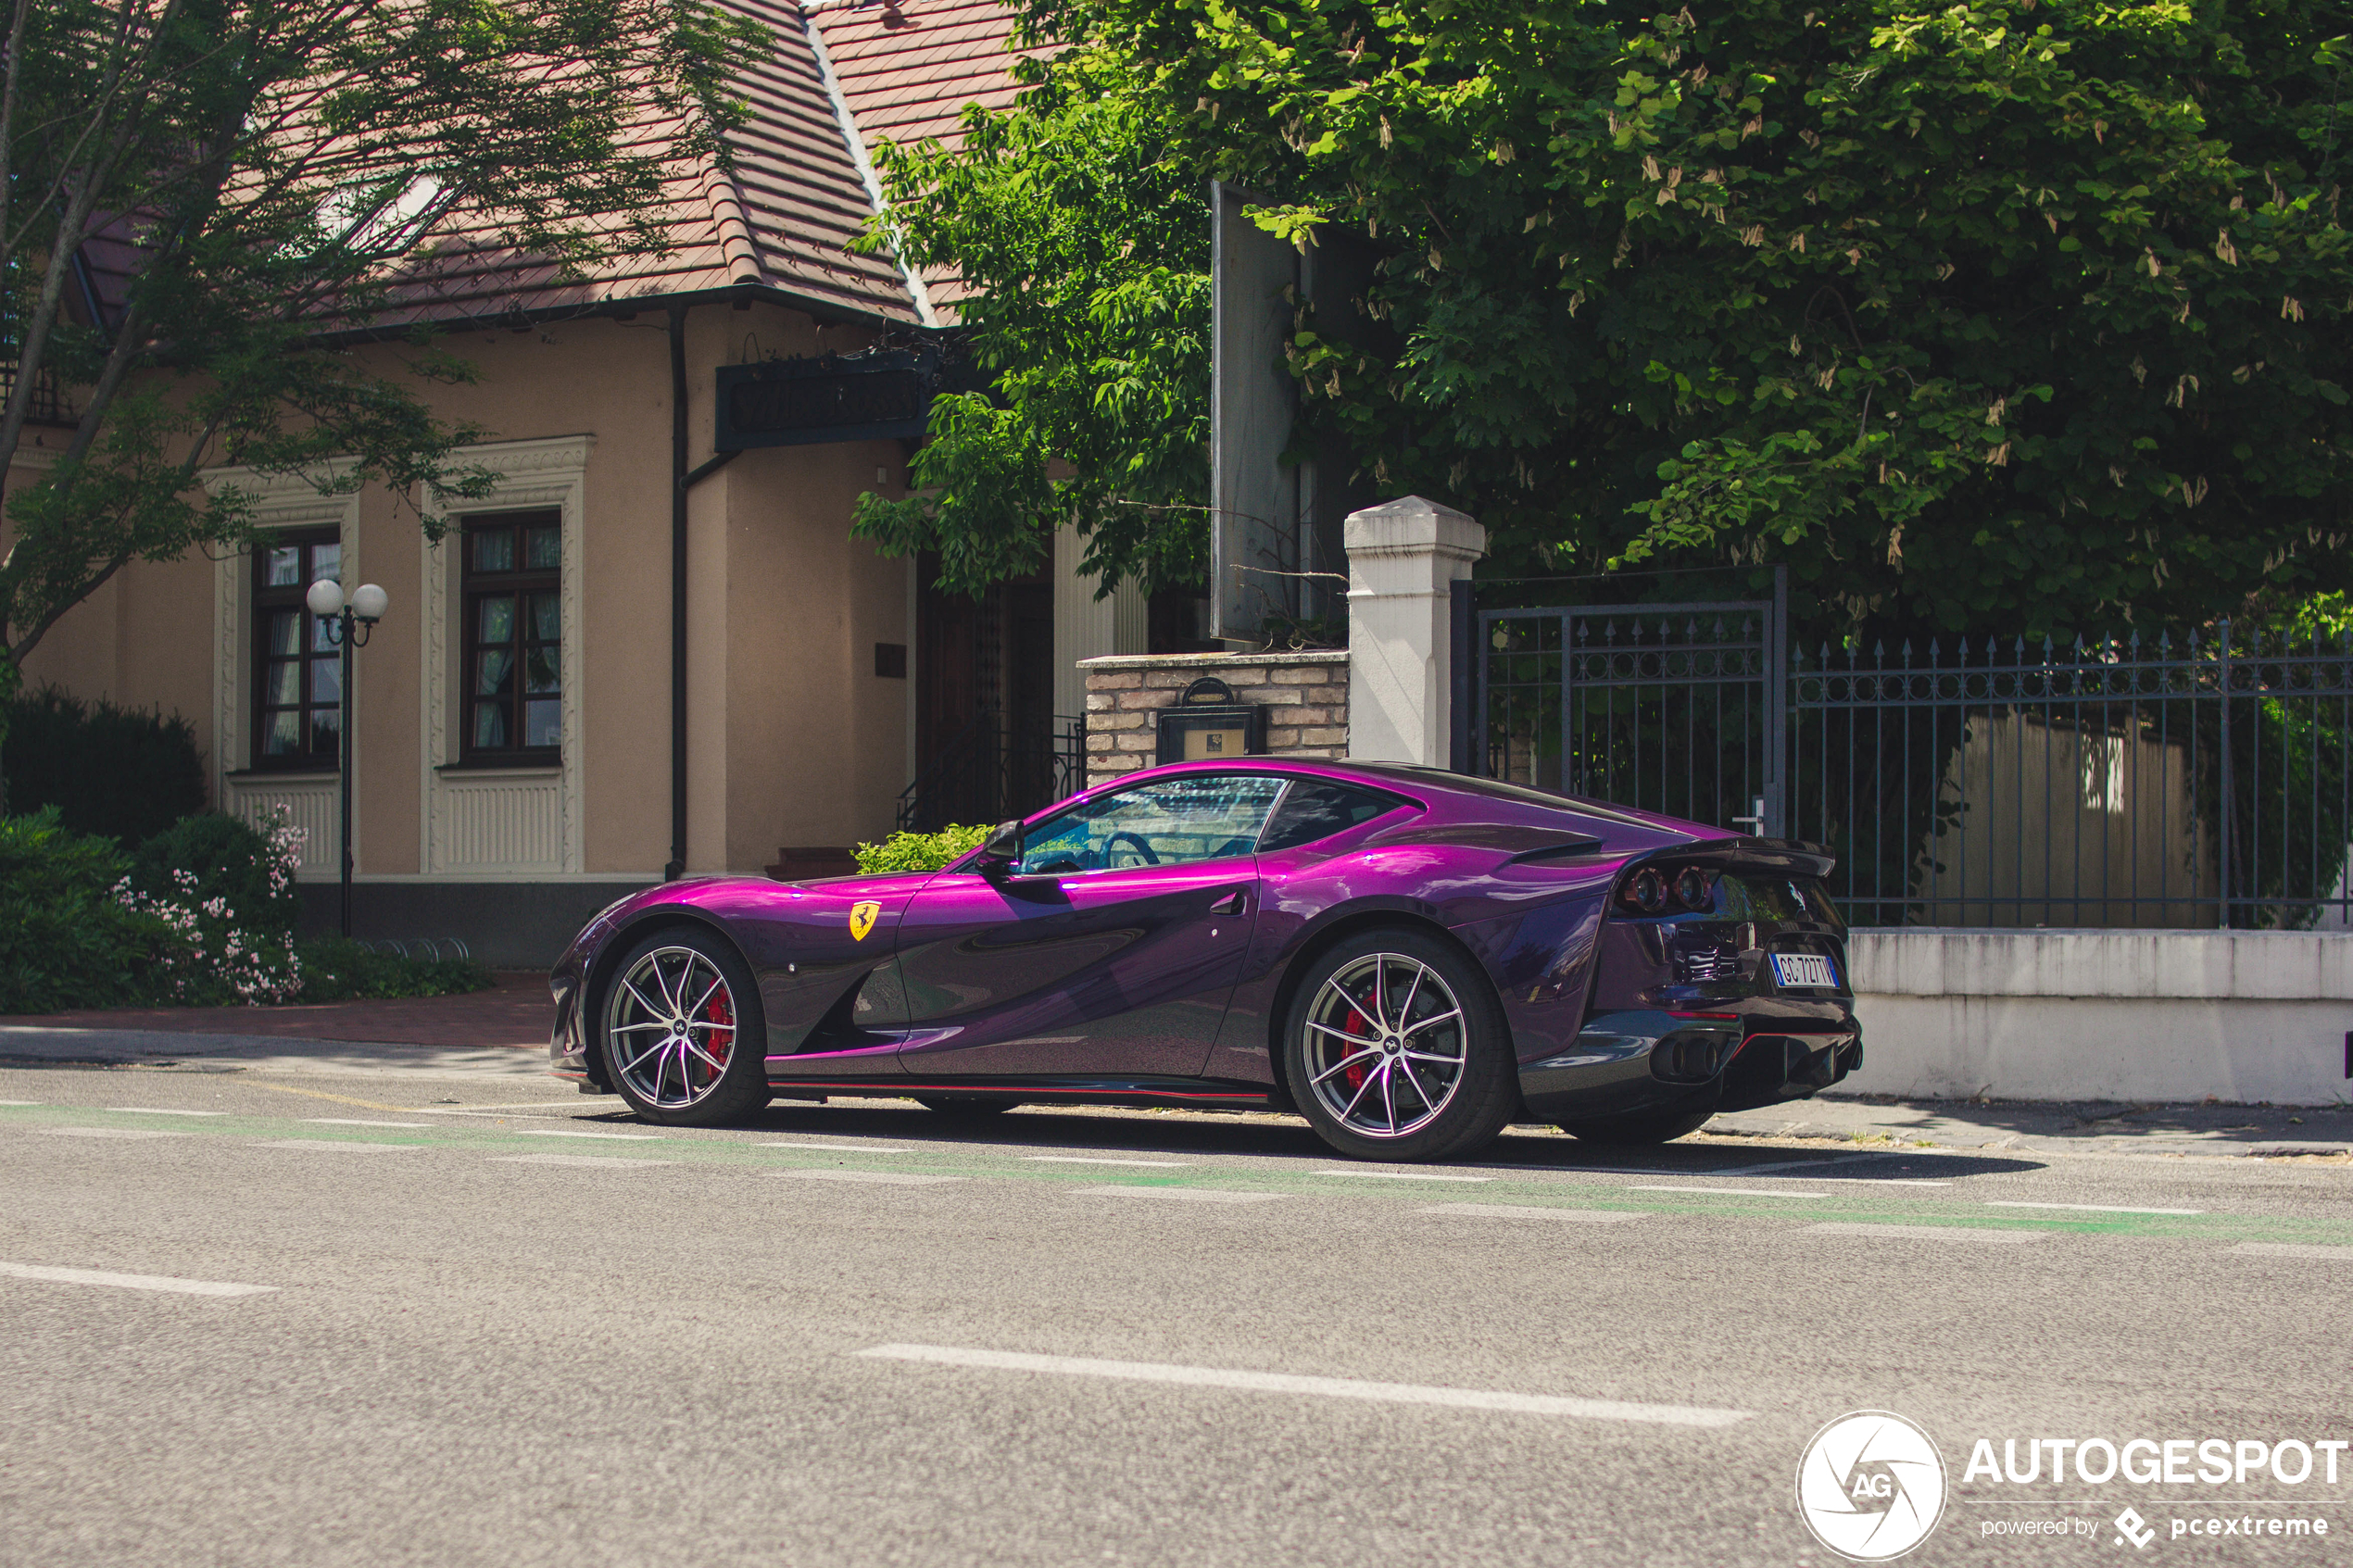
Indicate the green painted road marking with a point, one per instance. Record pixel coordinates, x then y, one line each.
1571 1189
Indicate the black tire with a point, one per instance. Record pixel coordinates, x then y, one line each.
1637 1127
664 1083
970 1108
1334 1001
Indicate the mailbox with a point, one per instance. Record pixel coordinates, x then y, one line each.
1206 725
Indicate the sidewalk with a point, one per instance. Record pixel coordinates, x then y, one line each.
2044 1127
516 1011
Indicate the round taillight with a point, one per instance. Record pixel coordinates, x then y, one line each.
1694 889
1647 891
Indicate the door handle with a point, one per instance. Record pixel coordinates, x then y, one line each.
1232 904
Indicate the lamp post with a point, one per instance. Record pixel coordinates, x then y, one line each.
348 627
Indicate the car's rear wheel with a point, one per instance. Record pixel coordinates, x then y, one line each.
1396 1048
1637 1127
682 1031
971 1107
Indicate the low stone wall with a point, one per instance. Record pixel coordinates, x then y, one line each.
2105 1015
1306 698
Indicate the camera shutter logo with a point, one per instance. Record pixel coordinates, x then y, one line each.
1871 1485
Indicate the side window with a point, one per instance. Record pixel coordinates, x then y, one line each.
297 674
1174 821
1317 808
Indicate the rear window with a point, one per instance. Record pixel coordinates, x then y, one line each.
1760 897
1317 808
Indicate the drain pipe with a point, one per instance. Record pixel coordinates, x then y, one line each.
682 480
677 866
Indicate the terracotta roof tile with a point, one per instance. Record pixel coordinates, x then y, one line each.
909 69
786 211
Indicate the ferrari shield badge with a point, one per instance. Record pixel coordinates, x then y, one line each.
861 918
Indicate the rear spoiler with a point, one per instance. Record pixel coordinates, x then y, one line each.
1789 856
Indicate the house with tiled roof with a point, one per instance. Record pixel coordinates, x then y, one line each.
655 647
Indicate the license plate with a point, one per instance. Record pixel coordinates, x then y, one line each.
1804 970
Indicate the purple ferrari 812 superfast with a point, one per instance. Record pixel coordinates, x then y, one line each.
1411 960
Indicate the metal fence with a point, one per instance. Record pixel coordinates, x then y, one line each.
2195 779
2198 782
986 775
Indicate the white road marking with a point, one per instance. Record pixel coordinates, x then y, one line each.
576 1133
1330 1388
1731 1192
132 1282
1183 1194
2294 1249
844 1147
113 1132
353 1121
1404 1175
1529 1211
892 1178
1819 1162
1888 1181
485 1109
595 1161
1931 1233
1084 1160
159 1110
2085 1208
351 1145
19 1102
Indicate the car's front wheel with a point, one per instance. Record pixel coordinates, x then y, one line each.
1396 1048
682 1031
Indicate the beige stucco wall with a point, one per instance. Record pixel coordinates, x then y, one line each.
813 746
135 640
793 739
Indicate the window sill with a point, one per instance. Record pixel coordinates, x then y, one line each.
247 775
537 768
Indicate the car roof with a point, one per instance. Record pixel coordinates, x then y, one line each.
1425 785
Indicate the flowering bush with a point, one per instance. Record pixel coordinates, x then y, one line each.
250 865
204 917
226 908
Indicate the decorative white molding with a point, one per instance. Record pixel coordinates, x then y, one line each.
507 822
310 800
280 501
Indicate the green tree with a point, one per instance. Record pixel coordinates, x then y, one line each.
1084 246
2004 314
273 163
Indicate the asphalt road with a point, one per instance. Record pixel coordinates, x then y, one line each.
501 1323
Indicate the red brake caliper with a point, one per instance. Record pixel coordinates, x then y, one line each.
1360 1059
719 1012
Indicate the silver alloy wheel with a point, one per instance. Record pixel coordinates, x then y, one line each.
1385 1045
670 1027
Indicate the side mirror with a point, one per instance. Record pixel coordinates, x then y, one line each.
1001 851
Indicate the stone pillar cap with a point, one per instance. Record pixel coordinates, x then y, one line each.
1414 524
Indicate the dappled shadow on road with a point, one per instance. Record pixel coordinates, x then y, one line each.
1107 1133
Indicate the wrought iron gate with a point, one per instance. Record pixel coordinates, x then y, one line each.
1681 708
